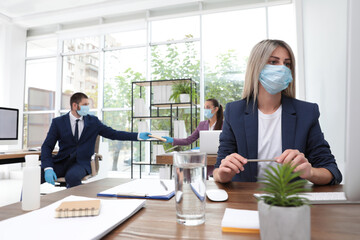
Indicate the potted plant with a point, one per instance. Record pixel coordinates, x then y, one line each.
282 213
181 91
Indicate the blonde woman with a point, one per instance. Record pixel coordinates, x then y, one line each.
269 123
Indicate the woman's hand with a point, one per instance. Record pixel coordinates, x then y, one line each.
298 159
231 165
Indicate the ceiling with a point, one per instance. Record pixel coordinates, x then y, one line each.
35 13
20 8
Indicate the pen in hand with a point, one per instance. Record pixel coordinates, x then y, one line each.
163 184
261 160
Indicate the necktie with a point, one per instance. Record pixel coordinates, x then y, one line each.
77 130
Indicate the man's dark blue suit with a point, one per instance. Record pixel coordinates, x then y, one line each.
72 152
300 130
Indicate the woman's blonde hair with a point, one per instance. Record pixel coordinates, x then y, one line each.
259 57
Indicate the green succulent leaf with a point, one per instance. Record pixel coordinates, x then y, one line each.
282 186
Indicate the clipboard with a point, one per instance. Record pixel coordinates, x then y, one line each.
142 188
158 138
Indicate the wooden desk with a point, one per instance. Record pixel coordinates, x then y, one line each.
168 159
16 156
158 219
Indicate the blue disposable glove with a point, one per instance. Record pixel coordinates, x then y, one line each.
50 176
168 139
144 135
196 148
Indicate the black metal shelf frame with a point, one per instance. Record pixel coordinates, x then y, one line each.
159 106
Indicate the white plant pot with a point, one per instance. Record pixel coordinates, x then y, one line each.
184 98
284 222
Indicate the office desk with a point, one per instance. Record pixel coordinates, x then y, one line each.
158 221
17 156
168 159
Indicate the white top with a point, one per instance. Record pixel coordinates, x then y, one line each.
73 124
269 138
211 128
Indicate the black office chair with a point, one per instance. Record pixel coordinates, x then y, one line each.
95 158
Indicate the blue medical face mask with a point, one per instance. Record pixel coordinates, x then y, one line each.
84 110
275 78
207 113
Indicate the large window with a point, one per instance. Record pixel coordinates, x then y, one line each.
212 49
228 39
125 62
80 69
40 88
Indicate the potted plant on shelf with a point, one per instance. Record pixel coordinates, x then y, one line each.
181 91
283 214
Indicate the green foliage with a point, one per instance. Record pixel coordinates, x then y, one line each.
224 80
282 188
182 88
119 94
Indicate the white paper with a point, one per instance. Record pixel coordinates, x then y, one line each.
236 218
156 94
42 224
169 93
164 172
322 197
159 133
182 130
158 150
143 126
143 188
176 128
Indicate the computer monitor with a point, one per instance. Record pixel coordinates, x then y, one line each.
9 121
209 141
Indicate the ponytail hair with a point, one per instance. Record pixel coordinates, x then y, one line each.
219 113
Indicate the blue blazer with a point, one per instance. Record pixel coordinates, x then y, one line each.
60 130
300 130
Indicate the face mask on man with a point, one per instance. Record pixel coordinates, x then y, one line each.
84 110
207 113
275 78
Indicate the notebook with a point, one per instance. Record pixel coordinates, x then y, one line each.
142 188
209 141
323 197
78 209
41 224
240 221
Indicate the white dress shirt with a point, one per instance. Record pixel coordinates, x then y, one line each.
73 124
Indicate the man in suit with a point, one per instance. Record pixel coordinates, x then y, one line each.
76 133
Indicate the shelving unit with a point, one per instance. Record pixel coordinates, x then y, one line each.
156 107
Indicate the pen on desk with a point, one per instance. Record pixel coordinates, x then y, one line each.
261 160
163 184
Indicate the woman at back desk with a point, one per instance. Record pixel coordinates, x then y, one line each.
213 112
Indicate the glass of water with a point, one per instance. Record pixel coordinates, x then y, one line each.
190 176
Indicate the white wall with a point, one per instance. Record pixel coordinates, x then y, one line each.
353 100
12 70
325 45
